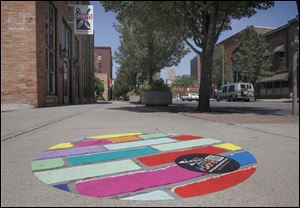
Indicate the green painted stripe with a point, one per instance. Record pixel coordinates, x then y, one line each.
186 144
86 171
47 164
152 136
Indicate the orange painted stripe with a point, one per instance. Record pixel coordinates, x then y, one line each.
124 139
214 184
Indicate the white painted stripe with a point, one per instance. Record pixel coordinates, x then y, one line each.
154 195
186 144
86 171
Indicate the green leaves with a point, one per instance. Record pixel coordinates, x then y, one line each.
250 58
99 86
184 81
148 39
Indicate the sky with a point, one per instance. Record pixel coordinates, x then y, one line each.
106 35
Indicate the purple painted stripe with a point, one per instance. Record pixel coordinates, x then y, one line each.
132 182
69 152
91 143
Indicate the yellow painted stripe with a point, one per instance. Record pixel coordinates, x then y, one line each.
124 139
107 136
228 146
61 146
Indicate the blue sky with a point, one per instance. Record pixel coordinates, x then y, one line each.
106 35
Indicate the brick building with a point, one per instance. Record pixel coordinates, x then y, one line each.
279 43
103 69
230 46
42 62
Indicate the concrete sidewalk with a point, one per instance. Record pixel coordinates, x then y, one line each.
26 133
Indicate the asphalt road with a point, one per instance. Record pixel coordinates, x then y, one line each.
257 107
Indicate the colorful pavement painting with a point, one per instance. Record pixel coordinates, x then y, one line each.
144 166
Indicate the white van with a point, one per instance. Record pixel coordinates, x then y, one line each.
236 91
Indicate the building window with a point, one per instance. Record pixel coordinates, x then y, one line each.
50 48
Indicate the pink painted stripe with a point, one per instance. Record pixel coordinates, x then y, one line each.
91 143
115 185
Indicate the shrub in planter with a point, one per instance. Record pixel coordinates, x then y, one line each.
156 94
134 96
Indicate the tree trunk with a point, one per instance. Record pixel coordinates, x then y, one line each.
205 84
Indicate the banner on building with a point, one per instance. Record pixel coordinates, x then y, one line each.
83 20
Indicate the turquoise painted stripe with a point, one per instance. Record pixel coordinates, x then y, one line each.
121 154
142 143
244 158
154 135
86 171
154 195
186 144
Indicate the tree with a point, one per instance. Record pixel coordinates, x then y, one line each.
184 81
99 86
123 83
250 58
202 22
217 66
150 44
199 21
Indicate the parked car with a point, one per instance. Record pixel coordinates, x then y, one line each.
190 97
236 91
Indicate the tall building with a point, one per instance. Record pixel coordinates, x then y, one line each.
43 63
103 69
170 75
195 66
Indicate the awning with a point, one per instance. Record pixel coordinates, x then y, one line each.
276 77
279 48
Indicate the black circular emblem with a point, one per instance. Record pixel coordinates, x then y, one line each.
207 163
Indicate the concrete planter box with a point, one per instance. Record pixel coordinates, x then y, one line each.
156 98
135 99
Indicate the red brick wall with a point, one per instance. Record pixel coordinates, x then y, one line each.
23 55
18 53
105 52
106 69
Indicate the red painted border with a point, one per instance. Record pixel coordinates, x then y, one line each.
169 157
214 184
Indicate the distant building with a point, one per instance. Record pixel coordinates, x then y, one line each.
170 75
230 47
103 69
279 83
42 62
195 66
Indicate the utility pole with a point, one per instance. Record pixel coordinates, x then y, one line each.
295 66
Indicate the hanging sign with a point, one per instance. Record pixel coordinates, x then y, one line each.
84 20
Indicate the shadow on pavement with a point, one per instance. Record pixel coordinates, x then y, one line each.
177 108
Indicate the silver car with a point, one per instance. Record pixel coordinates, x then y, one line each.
236 91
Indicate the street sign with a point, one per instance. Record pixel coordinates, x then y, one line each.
83 20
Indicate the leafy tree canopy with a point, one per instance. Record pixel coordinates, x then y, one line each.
184 81
250 57
146 42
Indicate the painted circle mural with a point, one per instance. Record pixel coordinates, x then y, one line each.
144 166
